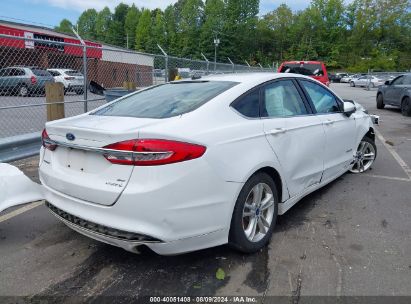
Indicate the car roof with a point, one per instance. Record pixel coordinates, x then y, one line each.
252 78
303 61
62 70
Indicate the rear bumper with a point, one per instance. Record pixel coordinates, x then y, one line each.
184 210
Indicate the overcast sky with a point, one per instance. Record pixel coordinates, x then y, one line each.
50 12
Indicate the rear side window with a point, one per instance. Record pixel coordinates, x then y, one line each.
323 100
407 80
54 73
249 104
167 100
16 72
39 72
281 99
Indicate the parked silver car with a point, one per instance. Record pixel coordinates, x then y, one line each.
396 93
24 81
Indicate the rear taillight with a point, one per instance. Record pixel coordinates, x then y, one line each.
47 142
152 152
33 80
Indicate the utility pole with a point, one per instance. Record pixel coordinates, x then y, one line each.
127 40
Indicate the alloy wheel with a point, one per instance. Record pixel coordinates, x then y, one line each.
258 212
23 91
364 157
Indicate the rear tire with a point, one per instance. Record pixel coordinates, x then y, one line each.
79 92
406 106
254 212
380 101
23 91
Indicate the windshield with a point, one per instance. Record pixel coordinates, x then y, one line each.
166 100
309 69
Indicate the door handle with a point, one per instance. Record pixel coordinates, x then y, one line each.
278 131
328 122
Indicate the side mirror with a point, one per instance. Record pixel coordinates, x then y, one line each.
387 82
349 108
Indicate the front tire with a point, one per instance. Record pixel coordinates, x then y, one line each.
255 214
406 106
352 84
380 102
365 156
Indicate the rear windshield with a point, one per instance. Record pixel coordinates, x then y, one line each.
73 73
38 72
166 100
309 69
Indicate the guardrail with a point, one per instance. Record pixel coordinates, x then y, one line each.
19 147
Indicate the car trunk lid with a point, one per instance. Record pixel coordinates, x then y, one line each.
78 168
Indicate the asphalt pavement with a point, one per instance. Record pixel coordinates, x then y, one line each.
31 114
350 238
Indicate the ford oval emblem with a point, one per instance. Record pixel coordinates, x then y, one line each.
70 136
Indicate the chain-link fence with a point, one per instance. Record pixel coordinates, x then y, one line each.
27 64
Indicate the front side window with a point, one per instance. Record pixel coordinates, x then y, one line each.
281 99
398 81
167 100
249 104
323 100
407 80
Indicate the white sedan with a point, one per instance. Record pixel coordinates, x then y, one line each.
365 81
72 80
194 164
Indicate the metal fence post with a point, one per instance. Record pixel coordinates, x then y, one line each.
232 63
368 80
208 63
249 67
165 62
85 78
84 69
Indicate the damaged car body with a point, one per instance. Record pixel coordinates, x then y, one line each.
194 164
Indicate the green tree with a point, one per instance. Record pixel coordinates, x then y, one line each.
116 31
130 25
87 24
143 31
170 29
159 31
65 26
190 23
213 25
103 22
